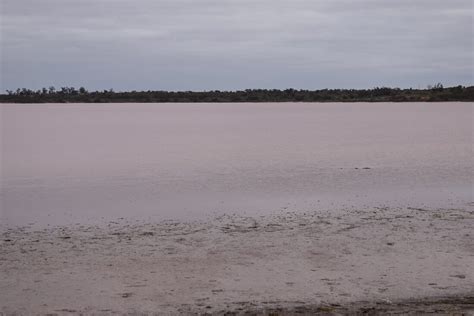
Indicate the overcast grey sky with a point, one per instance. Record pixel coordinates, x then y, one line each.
235 44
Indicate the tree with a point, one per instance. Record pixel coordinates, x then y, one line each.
438 86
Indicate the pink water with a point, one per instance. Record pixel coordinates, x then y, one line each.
84 163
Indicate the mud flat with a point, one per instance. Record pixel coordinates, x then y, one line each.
373 260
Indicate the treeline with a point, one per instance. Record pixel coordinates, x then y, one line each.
73 95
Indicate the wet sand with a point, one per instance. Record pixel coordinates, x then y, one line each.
337 261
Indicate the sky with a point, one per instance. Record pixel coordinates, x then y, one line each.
235 44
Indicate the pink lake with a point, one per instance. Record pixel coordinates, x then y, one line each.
93 163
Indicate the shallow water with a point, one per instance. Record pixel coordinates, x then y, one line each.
71 163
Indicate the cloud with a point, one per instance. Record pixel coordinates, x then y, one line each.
234 44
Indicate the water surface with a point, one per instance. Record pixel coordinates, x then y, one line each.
70 163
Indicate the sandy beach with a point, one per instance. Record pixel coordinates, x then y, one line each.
376 259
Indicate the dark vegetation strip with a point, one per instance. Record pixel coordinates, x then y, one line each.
81 95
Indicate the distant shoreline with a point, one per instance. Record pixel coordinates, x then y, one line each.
438 93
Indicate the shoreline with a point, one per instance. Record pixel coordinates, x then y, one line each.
333 261
237 102
438 93
450 305
455 305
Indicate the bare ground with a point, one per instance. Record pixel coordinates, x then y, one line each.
368 261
